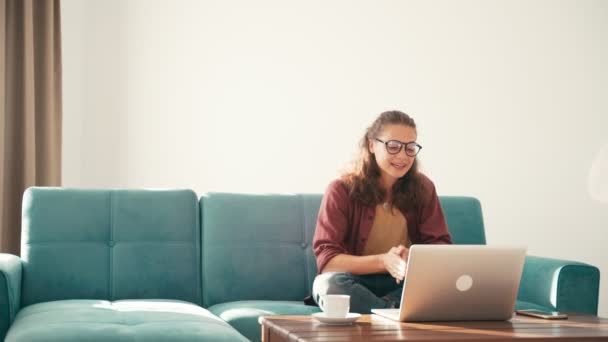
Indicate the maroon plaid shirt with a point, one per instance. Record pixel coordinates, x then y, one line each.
343 225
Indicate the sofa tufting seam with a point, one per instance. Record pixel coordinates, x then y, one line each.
111 250
203 287
304 239
248 243
175 242
65 242
197 247
213 321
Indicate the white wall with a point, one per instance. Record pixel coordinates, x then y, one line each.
272 96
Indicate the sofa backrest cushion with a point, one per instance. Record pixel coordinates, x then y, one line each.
465 220
110 244
257 247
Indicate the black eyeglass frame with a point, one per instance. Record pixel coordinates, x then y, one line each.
401 146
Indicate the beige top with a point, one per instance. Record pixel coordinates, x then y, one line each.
389 230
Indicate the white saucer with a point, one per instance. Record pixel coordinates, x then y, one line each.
349 319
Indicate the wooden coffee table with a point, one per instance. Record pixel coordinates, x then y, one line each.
375 328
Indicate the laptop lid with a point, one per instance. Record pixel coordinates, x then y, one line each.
461 282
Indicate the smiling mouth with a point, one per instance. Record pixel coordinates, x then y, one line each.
399 166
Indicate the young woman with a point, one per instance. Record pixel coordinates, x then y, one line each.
371 215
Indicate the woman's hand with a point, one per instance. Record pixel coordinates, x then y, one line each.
395 262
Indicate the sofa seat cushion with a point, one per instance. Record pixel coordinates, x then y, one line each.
243 315
123 320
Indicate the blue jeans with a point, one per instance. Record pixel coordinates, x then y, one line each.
366 292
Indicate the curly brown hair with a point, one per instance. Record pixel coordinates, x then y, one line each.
363 179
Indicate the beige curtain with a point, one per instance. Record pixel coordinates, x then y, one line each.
30 107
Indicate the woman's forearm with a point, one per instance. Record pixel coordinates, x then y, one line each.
356 264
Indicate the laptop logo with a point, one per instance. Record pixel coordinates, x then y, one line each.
464 282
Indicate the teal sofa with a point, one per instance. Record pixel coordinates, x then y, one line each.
164 265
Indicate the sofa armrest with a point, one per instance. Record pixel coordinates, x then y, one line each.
10 290
560 285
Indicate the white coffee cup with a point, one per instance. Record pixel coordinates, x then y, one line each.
335 306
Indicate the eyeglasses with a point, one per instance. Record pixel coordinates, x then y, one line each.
394 146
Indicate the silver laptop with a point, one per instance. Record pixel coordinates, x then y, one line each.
459 283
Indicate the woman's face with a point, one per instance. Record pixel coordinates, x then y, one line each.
393 166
